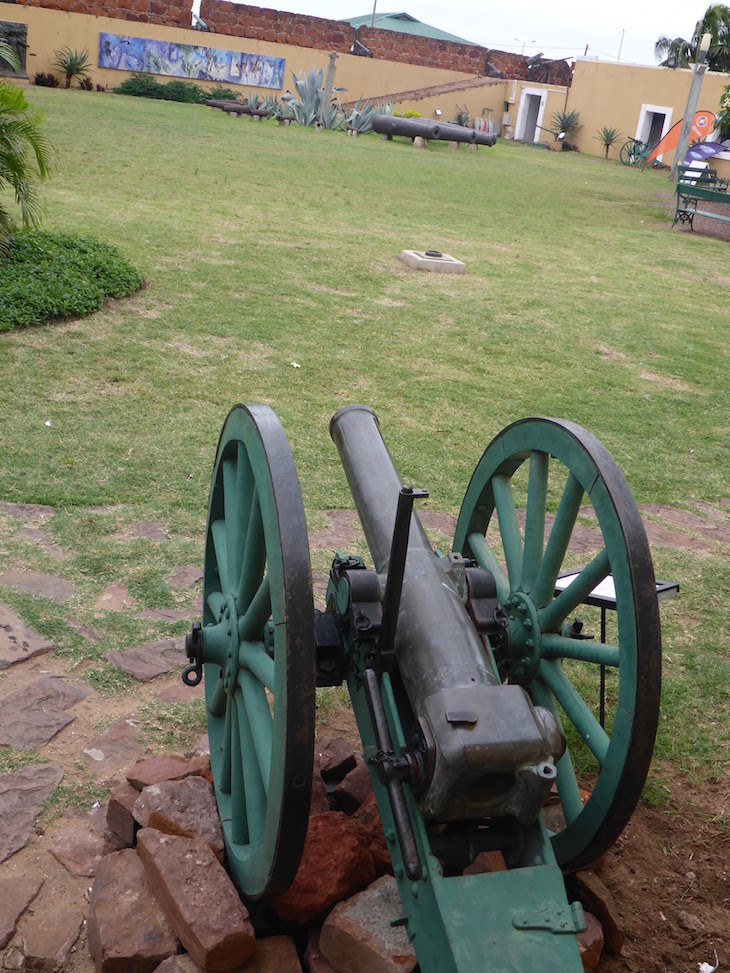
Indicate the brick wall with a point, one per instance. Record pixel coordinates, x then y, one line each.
299 30
170 13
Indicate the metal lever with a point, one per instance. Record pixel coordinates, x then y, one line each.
195 651
392 771
396 571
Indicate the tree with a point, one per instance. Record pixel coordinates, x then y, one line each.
678 52
26 154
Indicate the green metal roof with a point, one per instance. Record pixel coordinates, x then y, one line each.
404 24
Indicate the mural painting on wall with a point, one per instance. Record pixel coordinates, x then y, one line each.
189 61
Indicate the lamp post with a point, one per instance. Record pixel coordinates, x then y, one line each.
698 73
524 44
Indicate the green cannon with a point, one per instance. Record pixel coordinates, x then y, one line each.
471 683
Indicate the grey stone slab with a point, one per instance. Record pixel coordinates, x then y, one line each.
186 577
145 662
35 714
36 536
154 531
37 583
432 260
48 937
114 597
21 795
30 513
85 631
117 749
16 894
19 641
168 614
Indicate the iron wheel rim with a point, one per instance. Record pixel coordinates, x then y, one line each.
259 647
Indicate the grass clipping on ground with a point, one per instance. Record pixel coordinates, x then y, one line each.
59 275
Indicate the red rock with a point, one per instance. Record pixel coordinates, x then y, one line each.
319 802
178 964
595 898
119 817
81 847
314 961
486 861
119 942
334 839
164 766
336 758
357 936
277 954
48 938
16 894
199 899
590 943
18 641
354 790
182 807
368 820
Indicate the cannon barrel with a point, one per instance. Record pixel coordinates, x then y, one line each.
494 750
423 127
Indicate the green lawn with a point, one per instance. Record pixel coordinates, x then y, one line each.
264 247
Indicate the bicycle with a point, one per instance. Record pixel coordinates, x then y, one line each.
634 152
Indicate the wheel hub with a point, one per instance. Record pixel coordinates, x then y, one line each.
522 655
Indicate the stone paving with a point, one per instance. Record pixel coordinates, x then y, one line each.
42 698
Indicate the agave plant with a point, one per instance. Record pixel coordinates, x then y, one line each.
331 116
607 137
254 101
72 64
385 108
305 105
566 121
272 105
361 116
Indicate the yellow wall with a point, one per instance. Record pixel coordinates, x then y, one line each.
49 30
612 95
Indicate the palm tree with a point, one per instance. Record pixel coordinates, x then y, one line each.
25 155
678 52
72 64
8 55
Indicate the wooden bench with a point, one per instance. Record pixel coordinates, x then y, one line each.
704 178
689 196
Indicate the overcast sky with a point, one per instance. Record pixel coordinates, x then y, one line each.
560 29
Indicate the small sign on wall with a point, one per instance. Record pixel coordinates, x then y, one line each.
124 53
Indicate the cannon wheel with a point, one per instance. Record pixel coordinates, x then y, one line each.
259 651
563 454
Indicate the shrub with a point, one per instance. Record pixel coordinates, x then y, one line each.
566 121
412 113
54 275
144 86
44 80
220 93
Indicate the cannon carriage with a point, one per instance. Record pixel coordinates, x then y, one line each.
461 669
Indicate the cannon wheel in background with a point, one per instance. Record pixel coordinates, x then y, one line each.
562 452
259 651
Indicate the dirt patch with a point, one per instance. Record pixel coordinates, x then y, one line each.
672 383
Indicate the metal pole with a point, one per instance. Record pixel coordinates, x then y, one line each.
372 22
698 72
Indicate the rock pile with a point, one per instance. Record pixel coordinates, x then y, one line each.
165 904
